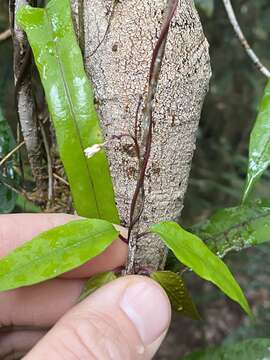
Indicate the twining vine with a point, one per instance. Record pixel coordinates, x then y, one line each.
137 202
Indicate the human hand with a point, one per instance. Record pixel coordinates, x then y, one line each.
126 319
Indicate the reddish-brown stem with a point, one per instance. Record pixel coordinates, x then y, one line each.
155 68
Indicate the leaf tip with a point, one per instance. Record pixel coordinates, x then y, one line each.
28 16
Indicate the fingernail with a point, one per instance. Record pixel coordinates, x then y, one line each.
148 308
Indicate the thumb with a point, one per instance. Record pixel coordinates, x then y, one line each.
124 320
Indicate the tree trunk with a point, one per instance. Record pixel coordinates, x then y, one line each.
118 65
117 38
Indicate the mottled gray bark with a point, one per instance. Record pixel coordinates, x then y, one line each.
119 71
25 103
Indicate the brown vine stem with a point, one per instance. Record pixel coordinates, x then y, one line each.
147 124
251 54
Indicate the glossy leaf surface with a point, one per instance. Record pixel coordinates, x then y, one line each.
70 100
7 143
253 349
235 228
177 292
192 252
55 251
259 146
95 282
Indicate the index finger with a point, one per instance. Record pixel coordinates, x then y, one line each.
16 229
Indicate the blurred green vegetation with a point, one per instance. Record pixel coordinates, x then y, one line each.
220 162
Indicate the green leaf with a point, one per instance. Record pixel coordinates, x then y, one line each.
95 282
27 206
192 252
259 146
235 229
207 6
177 292
7 143
253 349
71 104
55 251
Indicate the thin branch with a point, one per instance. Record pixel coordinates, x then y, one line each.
254 58
5 35
60 179
8 156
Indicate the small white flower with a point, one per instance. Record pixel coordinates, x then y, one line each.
92 150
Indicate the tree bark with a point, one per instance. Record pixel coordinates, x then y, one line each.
25 100
119 69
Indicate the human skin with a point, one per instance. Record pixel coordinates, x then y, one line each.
126 319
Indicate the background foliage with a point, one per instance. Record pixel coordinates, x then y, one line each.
220 162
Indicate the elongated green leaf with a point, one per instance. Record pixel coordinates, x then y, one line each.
253 349
235 229
70 100
7 143
259 146
192 252
55 251
177 292
95 282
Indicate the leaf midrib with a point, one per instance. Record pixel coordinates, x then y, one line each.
190 250
71 108
55 252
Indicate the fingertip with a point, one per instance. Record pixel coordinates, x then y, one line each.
126 319
147 306
16 229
